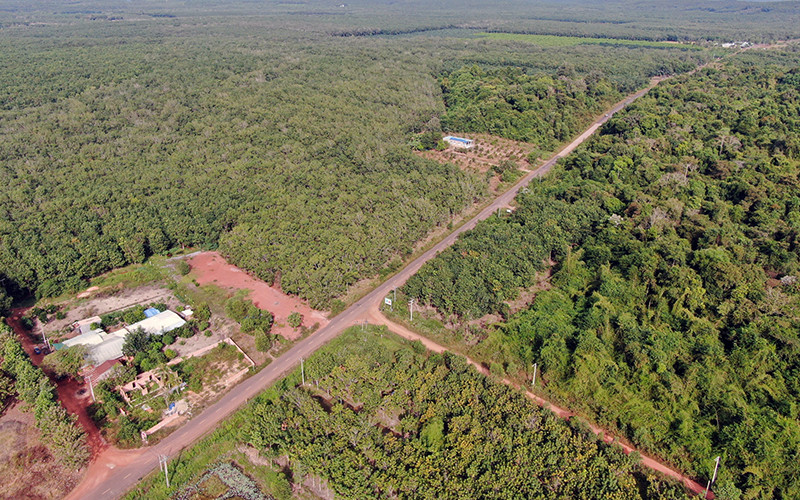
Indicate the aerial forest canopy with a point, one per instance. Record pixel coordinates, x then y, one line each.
674 237
288 150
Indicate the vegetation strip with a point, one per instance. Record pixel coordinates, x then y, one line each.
567 41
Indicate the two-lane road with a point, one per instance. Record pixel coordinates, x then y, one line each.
115 472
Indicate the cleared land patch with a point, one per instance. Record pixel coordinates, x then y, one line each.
489 152
211 268
570 41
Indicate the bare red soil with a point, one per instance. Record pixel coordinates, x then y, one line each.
211 268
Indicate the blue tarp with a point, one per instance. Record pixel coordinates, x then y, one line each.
149 313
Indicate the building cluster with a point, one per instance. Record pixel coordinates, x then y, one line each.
104 348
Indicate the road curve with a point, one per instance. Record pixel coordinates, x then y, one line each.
115 472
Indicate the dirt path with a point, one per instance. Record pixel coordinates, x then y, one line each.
103 481
74 396
374 316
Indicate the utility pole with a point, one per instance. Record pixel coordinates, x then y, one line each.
411 310
534 375
91 389
302 371
713 478
44 339
162 464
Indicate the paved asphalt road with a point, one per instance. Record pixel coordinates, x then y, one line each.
112 481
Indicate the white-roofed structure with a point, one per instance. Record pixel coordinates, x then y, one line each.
107 346
110 348
89 338
159 324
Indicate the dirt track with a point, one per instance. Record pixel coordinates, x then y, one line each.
376 317
68 388
113 473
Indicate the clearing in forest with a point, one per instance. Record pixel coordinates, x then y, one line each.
211 268
491 155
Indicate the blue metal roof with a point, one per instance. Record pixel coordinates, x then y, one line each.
459 139
149 313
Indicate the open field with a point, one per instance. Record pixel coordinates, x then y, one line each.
571 41
27 468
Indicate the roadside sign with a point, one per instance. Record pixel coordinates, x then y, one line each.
387 301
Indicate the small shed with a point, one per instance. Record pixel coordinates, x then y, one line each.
459 142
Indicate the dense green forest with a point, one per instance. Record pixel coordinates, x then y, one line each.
280 133
287 150
543 109
382 418
673 312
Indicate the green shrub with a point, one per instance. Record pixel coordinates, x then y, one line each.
183 268
185 331
236 308
295 319
264 342
202 313
133 315
337 306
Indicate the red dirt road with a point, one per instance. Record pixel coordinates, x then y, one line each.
68 388
376 317
211 268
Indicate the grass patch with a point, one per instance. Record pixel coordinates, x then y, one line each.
133 275
205 371
571 41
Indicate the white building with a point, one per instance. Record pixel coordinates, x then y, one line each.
107 346
459 142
